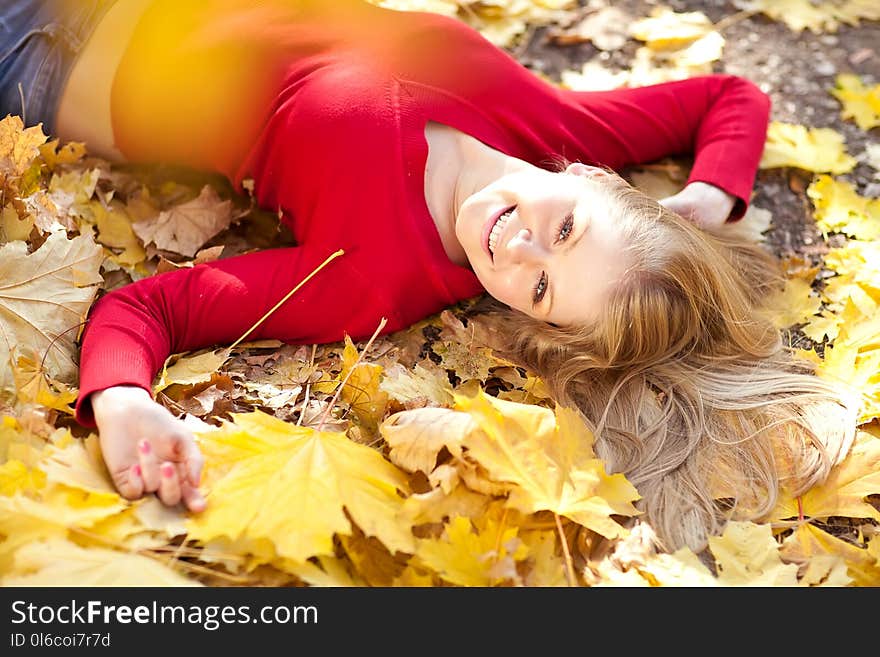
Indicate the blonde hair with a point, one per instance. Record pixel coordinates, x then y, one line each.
685 381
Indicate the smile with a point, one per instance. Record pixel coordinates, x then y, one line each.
496 228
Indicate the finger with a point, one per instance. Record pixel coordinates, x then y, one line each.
184 449
149 466
169 488
195 462
192 498
130 484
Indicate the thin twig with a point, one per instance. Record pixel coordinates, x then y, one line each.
348 375
285 298
308 388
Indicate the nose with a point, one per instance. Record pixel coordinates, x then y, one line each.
523 249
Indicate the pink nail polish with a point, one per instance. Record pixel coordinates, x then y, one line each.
167 470
144 446
136 470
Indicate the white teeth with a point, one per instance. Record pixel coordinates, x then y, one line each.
497 228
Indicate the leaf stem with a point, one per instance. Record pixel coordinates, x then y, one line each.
569 564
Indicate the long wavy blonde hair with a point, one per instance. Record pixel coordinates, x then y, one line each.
685 380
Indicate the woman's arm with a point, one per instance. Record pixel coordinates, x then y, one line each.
720 119
131 332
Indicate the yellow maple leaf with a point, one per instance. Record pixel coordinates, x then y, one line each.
840 209
544 565
808 542
16 477
362 389
328 572
845 491
860 103
115 232
547 459
44 298
664 28
855 360
55 155
13 227
33 386
682 568
825 325
469 557
798 14
19 146
747 555
438 505
58 562
78 464
814 149
293 486
795 304
23 520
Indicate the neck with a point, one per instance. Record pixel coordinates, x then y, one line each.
458 166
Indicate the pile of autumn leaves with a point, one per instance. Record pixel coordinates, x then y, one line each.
417 459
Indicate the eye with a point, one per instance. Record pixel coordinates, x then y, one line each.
539 289
565 228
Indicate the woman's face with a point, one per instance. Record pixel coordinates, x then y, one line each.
544 242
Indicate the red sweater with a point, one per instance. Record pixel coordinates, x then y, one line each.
341 152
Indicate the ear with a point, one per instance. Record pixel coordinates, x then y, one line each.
586 170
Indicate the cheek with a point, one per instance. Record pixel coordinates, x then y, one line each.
503 287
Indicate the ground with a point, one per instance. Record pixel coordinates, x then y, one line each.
795 69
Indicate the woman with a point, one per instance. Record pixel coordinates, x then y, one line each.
431 158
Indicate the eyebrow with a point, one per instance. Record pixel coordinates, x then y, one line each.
568 247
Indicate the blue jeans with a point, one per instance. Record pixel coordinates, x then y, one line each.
39 43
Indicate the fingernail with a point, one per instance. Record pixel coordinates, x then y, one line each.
144 446
136 470
167 470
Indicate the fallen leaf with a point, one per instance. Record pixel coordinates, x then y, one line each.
44 298
185 228
290 485
58 562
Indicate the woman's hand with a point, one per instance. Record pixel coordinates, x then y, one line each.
147 449
703 204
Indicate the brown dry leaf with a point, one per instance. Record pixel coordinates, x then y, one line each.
606 28
421 386
185 228
44 298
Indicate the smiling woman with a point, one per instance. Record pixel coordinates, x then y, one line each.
428 156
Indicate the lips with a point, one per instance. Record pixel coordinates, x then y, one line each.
487 229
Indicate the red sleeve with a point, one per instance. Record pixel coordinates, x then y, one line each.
721 119
132 330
